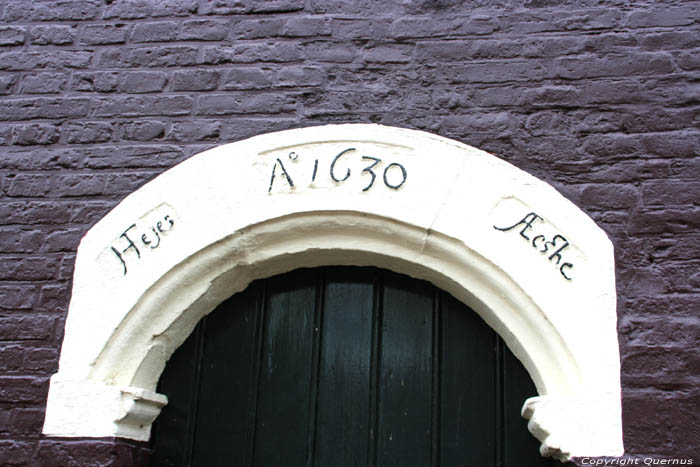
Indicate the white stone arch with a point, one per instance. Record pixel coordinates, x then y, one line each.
353 194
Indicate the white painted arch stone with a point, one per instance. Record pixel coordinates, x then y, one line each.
351 194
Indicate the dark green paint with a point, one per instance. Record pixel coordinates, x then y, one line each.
344 367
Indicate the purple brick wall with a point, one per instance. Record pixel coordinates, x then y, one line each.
601 98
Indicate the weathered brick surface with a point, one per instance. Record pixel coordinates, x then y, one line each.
601 98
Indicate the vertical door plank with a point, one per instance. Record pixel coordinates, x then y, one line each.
522 449
468 402
342 429
171 443
226 381
285 370
405 383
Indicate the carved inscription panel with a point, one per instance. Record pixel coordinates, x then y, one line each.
318 166
554 248
138 239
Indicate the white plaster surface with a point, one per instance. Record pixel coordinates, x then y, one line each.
209 226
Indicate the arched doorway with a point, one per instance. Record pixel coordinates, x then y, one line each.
494 237
344 366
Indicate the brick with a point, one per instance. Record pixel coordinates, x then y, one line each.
136 9
16 453
330 52
670 192
54 298
44 83
22 389
251 53
56 59
534 21
88 132
258 28
11 356
65 274
143 81
673 420
34 212
28 268
670 220
613 196
637 281
299 76
681 143
492 49
62 240
493 123
88 212
5 135
262 78
672 249
670 40
164 31
689 60
52 35
240 128
62 10
43 361
143 106
666 363
101 34
164 56
205 30
492 72
197 130
8 83
306 27
36 133
14 240
656 121
125 183
196 80
28 185
662 17
114 452
545 47
27 422
389 54
408 28
227 7
84 184
229 104
143 131
12 35
688 277
134 156
248 78
17 297
613 146
684 305
594 67
25 109
101 81
548 123
41 159
617 43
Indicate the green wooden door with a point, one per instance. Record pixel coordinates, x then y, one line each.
344 366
